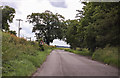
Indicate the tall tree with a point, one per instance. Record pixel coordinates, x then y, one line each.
100 22
7 16
71 34
47 25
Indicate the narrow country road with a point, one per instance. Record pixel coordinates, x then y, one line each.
62 63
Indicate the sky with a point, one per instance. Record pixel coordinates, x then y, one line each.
67 8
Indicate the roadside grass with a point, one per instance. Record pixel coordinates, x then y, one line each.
84 52
61 48
108 55
25 65
21 57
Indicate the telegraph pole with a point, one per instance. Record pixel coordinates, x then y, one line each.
19 28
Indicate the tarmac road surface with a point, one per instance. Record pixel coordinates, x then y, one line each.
63 63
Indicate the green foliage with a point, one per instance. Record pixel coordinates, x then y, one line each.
21 57
107 55
97 26
47 25
7 17
12 32
90 38
104 20
71 33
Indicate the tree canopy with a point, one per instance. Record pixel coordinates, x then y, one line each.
47 25
97 26
71 33
7 17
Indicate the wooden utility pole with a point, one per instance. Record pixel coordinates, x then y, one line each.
19 28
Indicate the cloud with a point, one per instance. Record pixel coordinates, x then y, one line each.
11 4
58 3
59 42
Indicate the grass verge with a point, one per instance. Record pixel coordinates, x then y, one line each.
84 52
25 65
107 55
21 57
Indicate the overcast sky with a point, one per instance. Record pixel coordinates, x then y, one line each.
67 8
